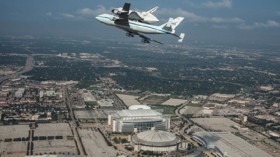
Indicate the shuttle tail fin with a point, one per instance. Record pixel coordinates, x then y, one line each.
153 9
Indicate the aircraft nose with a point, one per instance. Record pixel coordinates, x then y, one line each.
98 18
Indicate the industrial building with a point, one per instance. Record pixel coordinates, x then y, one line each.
106 103
226 144
50 93
156 141
138 118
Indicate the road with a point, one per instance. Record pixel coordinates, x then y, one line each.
28 67
72 123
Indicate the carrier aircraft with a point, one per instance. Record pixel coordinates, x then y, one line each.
134 26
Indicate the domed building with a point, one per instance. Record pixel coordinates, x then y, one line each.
155 141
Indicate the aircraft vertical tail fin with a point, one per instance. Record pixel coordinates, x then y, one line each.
126 7
176 22
172 23
171 26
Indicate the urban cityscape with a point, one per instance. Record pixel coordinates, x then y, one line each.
140 101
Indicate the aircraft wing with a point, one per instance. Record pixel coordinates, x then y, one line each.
122 22
147 39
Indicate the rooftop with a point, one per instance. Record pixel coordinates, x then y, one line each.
138 113
156 138
135 107
106 102
229 145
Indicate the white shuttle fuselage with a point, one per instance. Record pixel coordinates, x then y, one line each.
144 16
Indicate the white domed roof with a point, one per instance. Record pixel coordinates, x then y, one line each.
156 138
135 107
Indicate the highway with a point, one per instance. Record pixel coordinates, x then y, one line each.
28 67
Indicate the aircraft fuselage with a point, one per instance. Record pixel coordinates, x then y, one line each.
132 26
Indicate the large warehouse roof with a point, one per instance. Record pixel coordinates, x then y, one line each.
156 138
228 144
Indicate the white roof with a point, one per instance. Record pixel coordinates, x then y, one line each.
156 138
135 107
229 144
138 113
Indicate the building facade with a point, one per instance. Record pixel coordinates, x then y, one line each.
137 119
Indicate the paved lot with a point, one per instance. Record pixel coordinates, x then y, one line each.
53 129
190 110
57 146
95 144
216 124
17 148
129 99
13 131
92 114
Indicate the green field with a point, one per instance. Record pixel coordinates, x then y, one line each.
164 109
154 100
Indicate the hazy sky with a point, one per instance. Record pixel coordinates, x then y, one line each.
245 21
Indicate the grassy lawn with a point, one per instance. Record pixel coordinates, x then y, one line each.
154 100
164 109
